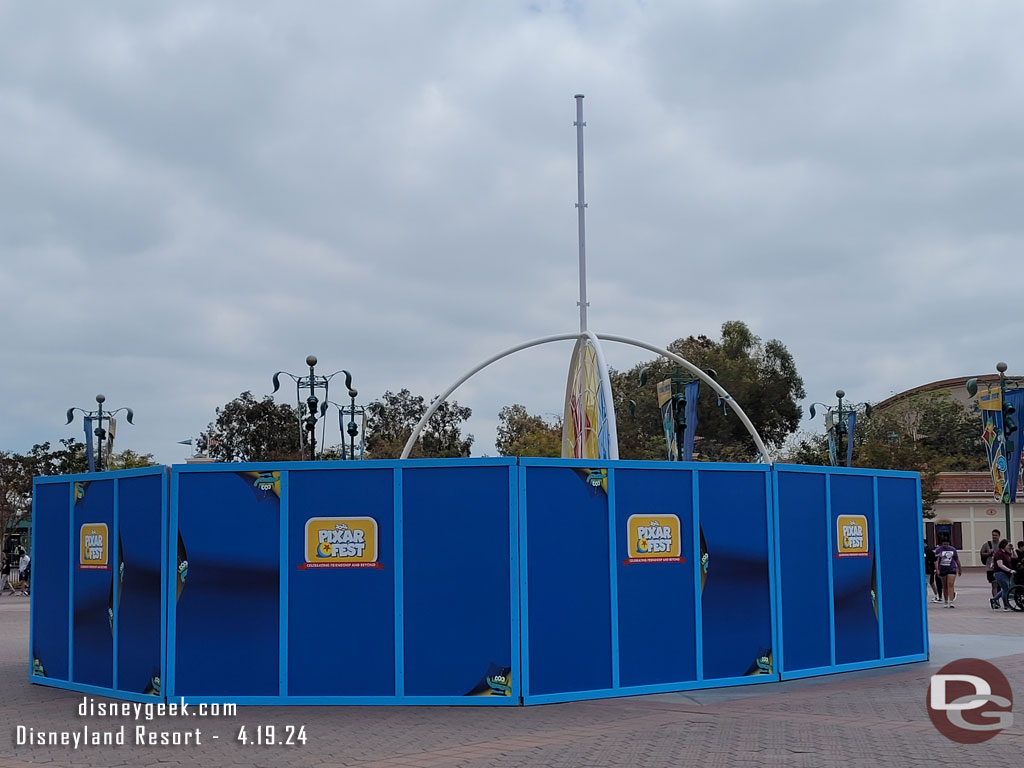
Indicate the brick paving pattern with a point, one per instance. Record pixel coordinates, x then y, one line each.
872 718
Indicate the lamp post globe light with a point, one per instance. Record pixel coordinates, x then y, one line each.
836 421
98 417
313 407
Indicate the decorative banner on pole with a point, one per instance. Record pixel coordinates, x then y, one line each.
668 418
831 432
692 391
1014 398
991 400
851 420
110 439
89 458
992 435
341 426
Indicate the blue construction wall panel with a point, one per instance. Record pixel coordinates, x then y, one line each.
656 630
142 506
227 614
733 516
854 574
470 581
850 595
899 537
93 592
51 561
457 582
805 627
341 620
570 625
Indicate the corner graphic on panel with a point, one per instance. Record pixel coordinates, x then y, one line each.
341 542
37 667
120 584
93 541
705 560
874 588
153 686
264 483
762 665
182 569
497 682
80 489
595 478
653 539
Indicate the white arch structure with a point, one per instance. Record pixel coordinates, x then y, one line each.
613 438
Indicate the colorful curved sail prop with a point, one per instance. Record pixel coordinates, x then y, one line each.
585 423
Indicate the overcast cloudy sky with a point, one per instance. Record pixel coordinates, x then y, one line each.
194 195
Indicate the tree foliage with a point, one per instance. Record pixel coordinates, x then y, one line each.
391 419
247 429
521 433
17 471
760 376
129 459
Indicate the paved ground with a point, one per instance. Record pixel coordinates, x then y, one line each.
872 719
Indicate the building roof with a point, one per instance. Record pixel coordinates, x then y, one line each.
956 387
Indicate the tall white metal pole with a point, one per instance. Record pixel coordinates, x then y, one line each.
581 207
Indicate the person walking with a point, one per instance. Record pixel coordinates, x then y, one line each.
24 564
5 573
1002 572
929 573
948 567
987 549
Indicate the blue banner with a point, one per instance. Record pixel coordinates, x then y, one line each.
692 390
1013 457
88 445
851 420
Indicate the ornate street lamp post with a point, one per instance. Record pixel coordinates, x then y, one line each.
98 416
351 428
836 420
312 382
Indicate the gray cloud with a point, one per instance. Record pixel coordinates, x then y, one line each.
194 196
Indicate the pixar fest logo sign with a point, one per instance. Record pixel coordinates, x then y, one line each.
852 536
653 539
341 542
93 549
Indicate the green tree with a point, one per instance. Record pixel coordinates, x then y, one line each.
761 376
391 420
129 459
17 471
521 433
247 429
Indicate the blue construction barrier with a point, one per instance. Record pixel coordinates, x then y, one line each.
98 617
636 573
480 581
366 583
852 604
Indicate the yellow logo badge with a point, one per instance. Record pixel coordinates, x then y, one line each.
852 536
341 542
93 549
653 539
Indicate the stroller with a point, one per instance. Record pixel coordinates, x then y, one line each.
1016 593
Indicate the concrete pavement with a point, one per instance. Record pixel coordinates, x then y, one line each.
873 718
